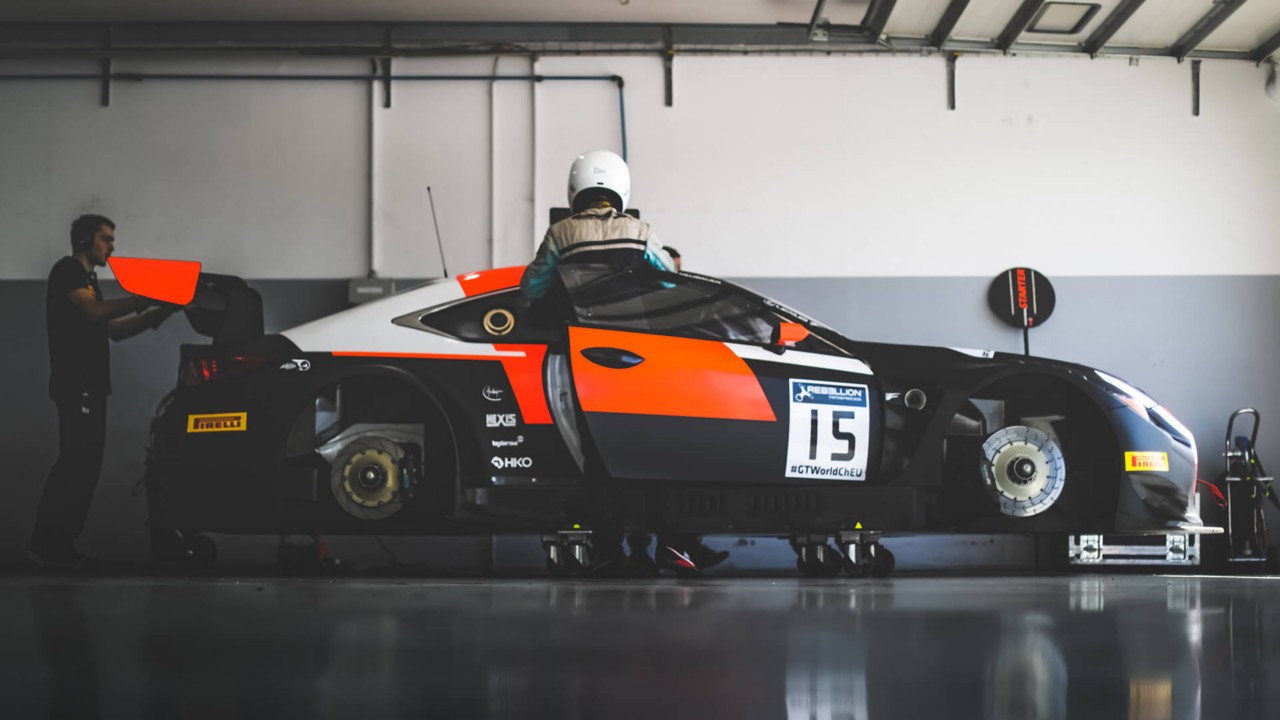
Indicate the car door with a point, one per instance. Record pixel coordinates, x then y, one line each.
678 379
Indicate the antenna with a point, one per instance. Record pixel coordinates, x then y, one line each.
439 242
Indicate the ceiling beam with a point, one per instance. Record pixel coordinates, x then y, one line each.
1265 50
1021 19
903 44
1111 25
878 16
1218 14
950 17
398 37
817 17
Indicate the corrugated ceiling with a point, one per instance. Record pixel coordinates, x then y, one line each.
1157 24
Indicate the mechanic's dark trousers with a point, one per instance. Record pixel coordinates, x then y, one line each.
64 505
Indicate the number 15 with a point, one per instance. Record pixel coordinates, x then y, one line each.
836 433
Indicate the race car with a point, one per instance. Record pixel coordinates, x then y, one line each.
461 407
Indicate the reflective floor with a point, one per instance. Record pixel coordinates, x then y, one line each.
1023 647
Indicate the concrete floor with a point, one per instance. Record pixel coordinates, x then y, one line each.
992 647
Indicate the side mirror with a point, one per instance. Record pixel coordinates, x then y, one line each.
787 334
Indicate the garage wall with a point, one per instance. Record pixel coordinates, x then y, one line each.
1075 166
842 186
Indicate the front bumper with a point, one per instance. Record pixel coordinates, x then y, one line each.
1156 493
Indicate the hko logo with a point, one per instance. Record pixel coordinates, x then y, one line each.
500 420
508 463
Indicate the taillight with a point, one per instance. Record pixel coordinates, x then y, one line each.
198 371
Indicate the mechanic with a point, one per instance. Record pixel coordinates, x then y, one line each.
599 231
79 322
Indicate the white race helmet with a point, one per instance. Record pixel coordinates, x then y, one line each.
600 169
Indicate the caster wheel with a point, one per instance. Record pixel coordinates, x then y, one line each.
567 560
882 561
818 561
854 569
200 553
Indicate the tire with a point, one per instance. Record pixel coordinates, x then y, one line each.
882 562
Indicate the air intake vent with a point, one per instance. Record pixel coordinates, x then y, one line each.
701 505
783 503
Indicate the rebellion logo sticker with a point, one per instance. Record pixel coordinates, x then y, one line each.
1146 462
491 393
222 422
804 391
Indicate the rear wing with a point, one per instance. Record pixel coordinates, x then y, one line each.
221 307
226 309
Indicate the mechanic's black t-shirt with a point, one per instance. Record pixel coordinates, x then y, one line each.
78 352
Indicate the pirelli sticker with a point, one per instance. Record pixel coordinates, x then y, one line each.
222 422
1146 462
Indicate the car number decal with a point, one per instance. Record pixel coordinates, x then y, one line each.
829 430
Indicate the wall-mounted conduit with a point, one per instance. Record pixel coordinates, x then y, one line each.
379 74
294 77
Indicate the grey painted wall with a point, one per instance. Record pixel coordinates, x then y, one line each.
1185 340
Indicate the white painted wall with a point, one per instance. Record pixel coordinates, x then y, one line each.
264 179
766 166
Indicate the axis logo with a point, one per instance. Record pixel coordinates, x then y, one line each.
491 393
500 420
511 463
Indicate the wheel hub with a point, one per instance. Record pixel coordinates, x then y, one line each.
1023 470
369 478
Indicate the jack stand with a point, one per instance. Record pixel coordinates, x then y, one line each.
1173 549
864 555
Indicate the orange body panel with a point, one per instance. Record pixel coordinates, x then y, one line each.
679 377
485 281
171 281
525 376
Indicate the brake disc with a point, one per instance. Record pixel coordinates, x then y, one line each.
1023 470
366 477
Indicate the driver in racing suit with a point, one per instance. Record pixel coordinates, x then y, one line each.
598 232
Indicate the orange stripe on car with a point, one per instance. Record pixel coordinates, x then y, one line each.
525 376
421 356
679 377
